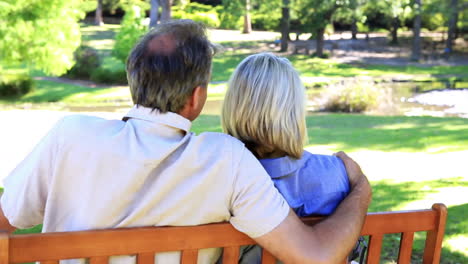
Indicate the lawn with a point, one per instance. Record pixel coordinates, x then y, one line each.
412 162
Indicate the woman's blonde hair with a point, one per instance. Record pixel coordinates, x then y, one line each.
264 106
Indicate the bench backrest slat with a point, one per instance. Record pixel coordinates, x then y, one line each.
189 256
435 235
99 260
375 247
145 241
4 248
230 255
406 247
145 258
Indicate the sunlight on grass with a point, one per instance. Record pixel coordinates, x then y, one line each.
458 243
217 35
453 195
397 126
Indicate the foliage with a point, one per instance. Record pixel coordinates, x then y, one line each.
351 10
267 15
87 60
355 98
12 85
197 12
43 34
133 27
315 14
109 76
230 14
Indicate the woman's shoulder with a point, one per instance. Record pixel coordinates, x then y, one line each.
321 160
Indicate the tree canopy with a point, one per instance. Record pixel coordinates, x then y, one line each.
43 34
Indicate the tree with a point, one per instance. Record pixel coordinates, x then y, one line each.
41 34
285 25
398 10
98 15
247 20
316 15
154 13
166 10
351 12
416 54
132 28
452 25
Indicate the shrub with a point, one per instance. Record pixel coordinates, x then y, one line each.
197 12
109 76
231 14
86 61
15 85
133 27
355 98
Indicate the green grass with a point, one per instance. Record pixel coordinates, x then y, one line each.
49 91
72 95
224 65
375 133
389 133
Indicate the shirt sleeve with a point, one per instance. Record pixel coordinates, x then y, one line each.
26 187
257 206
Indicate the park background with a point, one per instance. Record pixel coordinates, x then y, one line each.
387 82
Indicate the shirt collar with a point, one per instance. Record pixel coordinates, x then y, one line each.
154 115
279 167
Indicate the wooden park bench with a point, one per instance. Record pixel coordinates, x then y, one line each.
143 242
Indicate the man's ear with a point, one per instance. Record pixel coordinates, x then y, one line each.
198 98
194 103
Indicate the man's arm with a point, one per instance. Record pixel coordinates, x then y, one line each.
329 241
4 223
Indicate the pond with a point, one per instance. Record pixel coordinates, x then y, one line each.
435 98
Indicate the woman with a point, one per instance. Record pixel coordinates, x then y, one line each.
264 107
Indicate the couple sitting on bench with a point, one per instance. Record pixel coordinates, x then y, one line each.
148 169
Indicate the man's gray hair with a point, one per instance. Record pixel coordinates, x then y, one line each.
167 64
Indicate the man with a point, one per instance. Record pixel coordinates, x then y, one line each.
148 169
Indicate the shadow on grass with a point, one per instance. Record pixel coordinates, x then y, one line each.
49 91
387 133
393 196
312 67
381 133
224 65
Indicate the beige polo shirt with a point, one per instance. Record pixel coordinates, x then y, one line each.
93 173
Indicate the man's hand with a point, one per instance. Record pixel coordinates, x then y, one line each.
352 168
4 223
357 180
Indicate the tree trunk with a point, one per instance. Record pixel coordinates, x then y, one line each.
154 12
285 22
417 32
247 20
452 26
98 16
354 30
166 10
395 26
320 42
